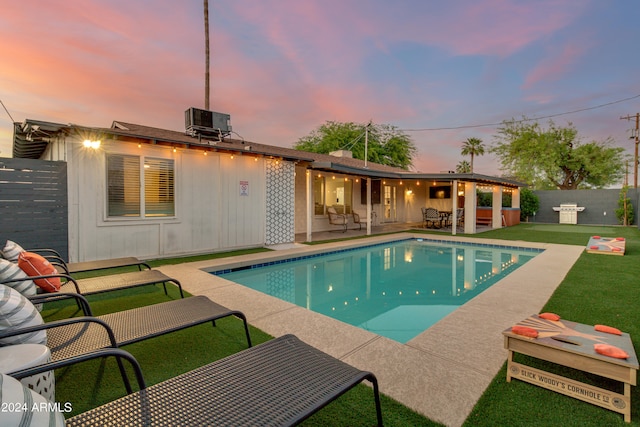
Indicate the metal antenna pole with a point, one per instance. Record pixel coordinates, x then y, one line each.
5 109
366 144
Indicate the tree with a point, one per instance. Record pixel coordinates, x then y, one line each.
463 167
472 147
624 213
386 144
529 204
555 157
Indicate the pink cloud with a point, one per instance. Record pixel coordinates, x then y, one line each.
556 65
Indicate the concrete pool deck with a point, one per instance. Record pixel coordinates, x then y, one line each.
443 371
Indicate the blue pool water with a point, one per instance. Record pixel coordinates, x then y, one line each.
396 289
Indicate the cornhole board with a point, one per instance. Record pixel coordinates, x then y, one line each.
578 355
606 245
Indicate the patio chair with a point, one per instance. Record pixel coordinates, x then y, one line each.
281 382
460 216
431 216
360 220
337 219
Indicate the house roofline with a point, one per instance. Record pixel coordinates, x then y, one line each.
32 137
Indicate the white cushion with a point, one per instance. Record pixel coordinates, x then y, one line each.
10 270
11 251
18 312
24 407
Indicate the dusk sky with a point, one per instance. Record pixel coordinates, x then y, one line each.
281 68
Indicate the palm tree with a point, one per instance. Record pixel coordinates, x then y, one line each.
472 147
206 54
463 167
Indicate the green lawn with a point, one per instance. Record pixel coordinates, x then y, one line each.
598 289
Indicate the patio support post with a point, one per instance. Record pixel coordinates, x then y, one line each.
470 207
454 207
369 218
310 212
515 198
496 216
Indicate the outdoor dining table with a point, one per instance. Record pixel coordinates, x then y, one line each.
444 216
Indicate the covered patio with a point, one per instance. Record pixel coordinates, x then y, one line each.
372 200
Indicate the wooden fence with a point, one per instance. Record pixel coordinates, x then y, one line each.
33 204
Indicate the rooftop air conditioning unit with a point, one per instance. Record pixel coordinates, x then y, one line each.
204 122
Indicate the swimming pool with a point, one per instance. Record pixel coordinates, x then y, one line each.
397 289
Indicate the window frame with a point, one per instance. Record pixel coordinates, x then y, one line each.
347 196
144 203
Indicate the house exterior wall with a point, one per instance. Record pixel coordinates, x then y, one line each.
211 212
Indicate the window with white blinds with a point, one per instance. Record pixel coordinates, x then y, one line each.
125 182
158 187
123 189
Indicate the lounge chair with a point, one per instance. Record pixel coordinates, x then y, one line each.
79 335
69 337
11 250
281 382
85 266
337 219
114 282
95 285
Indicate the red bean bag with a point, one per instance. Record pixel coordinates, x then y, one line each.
524 331
607 329
611 351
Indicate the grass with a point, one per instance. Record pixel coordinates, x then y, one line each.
598 289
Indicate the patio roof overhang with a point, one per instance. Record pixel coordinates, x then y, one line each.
31 138
448 177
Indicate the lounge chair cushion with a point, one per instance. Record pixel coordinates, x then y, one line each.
11 251
10 271
37 265
24 407
18 312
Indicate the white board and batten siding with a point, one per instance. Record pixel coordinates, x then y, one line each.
220 205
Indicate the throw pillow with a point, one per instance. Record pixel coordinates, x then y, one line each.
11 271
37 265
11 251
17 312
24 407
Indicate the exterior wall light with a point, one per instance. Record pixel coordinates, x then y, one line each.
91 144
